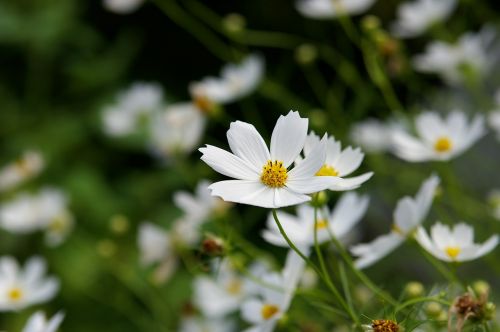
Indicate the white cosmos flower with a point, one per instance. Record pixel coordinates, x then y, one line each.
408 215
274 296
326 9
177 129
122 6
222 294
300 229
338 163
262 175
202 324
235 82
131 106
439 139
29 165
373 135
453 62
199 207
454 245
21 288
27 213
417 16
38 322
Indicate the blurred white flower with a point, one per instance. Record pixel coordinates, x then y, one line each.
200 206
409 213
38 322
417 16
372 135
494 122
46 210
439 139
21 288
131 106
122 6
201 324
326 9
274 296
300 229
29 165
177 129
454 245
156 246
263 178
235 82
471 55
220 295
339 163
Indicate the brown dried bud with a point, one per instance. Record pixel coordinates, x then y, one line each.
384 325
213 246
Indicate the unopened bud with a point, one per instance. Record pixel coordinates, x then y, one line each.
234 23
370 23
433 309
213 246
319 199
306 54
481 287
119 224
414 289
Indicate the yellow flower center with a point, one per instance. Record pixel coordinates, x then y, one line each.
443 144
234 287
327 170
396 229
15 294
452 251
204 104
58 224
321 224
274 174
384 325
268 311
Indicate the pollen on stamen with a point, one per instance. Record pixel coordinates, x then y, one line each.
274 174
321 224
443 144
327 170
384 325
268 311
15 294
452 251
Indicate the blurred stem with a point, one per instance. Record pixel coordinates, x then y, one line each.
37 80
360 274
316 82
278 93
420 300
327 281
213 44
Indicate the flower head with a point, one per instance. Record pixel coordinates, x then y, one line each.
439 139
122 6
338 163
21 288
263 177
38 322
454 245
372 135
417 16
235 82
301 228
327 9
29 165
408 215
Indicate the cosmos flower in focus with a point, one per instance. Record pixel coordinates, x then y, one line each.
236 81
339 163
263 177
300 229
372 135
439 139
29 165
409 213
21 288
454 244
122 6
470 57
274 296
131 107
46 210
177 130
327 9
38 322
415 17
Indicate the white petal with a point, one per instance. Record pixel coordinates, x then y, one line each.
348 161
312 185
426 243
287 197
372 252
405 215
342 184
246 143
488 246
228 164
425 196
311 164
251 311
288 138
348 211
245 192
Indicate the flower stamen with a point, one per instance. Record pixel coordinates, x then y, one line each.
15 294
452 251
268 311
443 144
327 170
274 174
384 325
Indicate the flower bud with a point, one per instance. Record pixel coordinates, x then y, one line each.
433 309
414 289
119 224
234 23
213 246
481 287
306 54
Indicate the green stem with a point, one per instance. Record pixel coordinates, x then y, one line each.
419 300
329 284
